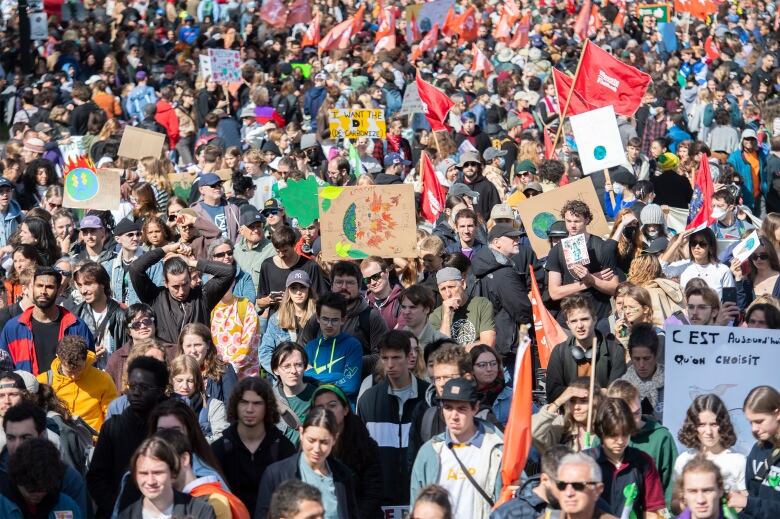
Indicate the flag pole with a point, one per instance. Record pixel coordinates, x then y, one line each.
568 97
611 191
436 141
590 394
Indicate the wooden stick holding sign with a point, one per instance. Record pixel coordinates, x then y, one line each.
436 142
591 396
608 182
568 100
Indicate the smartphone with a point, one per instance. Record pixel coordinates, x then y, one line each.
730 294
276 295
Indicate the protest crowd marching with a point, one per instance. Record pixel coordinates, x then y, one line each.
390 259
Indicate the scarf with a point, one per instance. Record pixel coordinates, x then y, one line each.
488 393
394 143
647 388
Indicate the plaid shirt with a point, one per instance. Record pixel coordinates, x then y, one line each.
653 130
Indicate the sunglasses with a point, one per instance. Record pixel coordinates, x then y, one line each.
702 244
271 212
172 217
372 279
763 256
223 254
578 486
146 322
133 234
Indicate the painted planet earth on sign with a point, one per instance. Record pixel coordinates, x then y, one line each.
82 184
599 152
541 223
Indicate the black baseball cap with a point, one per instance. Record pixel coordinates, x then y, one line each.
459 390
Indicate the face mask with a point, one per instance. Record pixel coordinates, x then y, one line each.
501 162
718 213
652 233
617 189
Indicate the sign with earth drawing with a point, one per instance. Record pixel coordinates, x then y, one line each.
539 212
88 188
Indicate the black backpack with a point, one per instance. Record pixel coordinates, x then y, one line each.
76 435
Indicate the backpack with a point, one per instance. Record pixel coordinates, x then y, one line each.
238 509
76 436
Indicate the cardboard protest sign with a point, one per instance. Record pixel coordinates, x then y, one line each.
575 250
351 124
357 222
299 199
598 139
539 212
425 16
746 247
87 188
181 183
411 104
724 361
138 143
225 65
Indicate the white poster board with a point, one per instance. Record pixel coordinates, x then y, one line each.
598 139
39 26
411 103
728 362
225 65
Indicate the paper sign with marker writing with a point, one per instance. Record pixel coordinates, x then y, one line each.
575 250
225 65
598 139
88 188
747 247
351 124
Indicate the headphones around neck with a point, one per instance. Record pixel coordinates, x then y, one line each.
579 354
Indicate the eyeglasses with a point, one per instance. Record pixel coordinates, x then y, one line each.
223 254
373 278
697 243
578 486
291 368
330 320
763 256
486 365
146 322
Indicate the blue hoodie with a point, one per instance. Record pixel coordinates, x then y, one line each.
10 221
336 360
312 101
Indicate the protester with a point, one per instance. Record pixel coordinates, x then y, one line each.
433 502
196 341
702 489
469 320
493 390
295 499
550 428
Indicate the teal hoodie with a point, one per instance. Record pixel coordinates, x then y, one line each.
656 441
337 360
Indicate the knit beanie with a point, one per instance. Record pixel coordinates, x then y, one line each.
652 214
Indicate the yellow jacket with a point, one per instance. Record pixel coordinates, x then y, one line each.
87 396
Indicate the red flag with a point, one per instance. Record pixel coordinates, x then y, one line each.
577 104
450 27
697 8
385 35
435 104
468 26
517 435
274 13
339 36
581 24
605 80
433 196
414 29
521 35
300 12
429 42
711 48
311 37
701 204
549 151
548 331
480 63
594 23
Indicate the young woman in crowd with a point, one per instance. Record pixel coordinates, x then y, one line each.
293 391
195 340
494 391
354 447
155 234
762 315
23 257
645 370
315 465
64 228
433 502
143 201
763 274
187 383
666 295
297 306
38 233
155 172
549 427
703 262
221 250
637 308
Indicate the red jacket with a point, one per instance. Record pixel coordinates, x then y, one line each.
166 116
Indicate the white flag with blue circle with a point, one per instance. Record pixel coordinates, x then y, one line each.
598 139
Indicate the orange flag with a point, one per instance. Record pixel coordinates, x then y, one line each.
521 34
429 42
385 35
311 37
450 27
698 8
548 331
469 28
503 29
480 62
517 435
339 36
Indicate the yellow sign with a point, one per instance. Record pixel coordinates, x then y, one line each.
351 124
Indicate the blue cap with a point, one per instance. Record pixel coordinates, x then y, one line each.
4 182
392 159
209 179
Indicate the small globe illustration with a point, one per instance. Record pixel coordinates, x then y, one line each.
541 223
82 184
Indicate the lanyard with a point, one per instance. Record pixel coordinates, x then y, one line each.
329 365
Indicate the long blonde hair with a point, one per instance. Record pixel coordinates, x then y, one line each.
157 171
186 364
644 269
286 312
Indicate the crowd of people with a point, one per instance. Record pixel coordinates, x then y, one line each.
192 352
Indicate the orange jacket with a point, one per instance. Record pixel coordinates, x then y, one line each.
110 104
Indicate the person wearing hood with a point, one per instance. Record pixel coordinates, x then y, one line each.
84 389
314 98
166 115
476 181
471 132
10 215
750 162
503 285
382 293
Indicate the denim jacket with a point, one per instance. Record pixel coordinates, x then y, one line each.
116 273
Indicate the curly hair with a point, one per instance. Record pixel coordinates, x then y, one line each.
577 208
689 435
644 269
36 466
264 391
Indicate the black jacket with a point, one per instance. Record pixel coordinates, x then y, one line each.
447 234
488 195
80 116
379 409
562 368
184 505
119 437
243 469
171 314
113 325
286 469
417 437
763 500
507 289
479 139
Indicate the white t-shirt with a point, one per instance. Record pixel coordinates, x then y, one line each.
716 275
731 464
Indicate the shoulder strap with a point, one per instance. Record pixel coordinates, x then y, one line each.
471 479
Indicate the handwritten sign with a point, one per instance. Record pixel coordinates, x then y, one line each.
225 65
727 362
351 124
575 250
138 143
